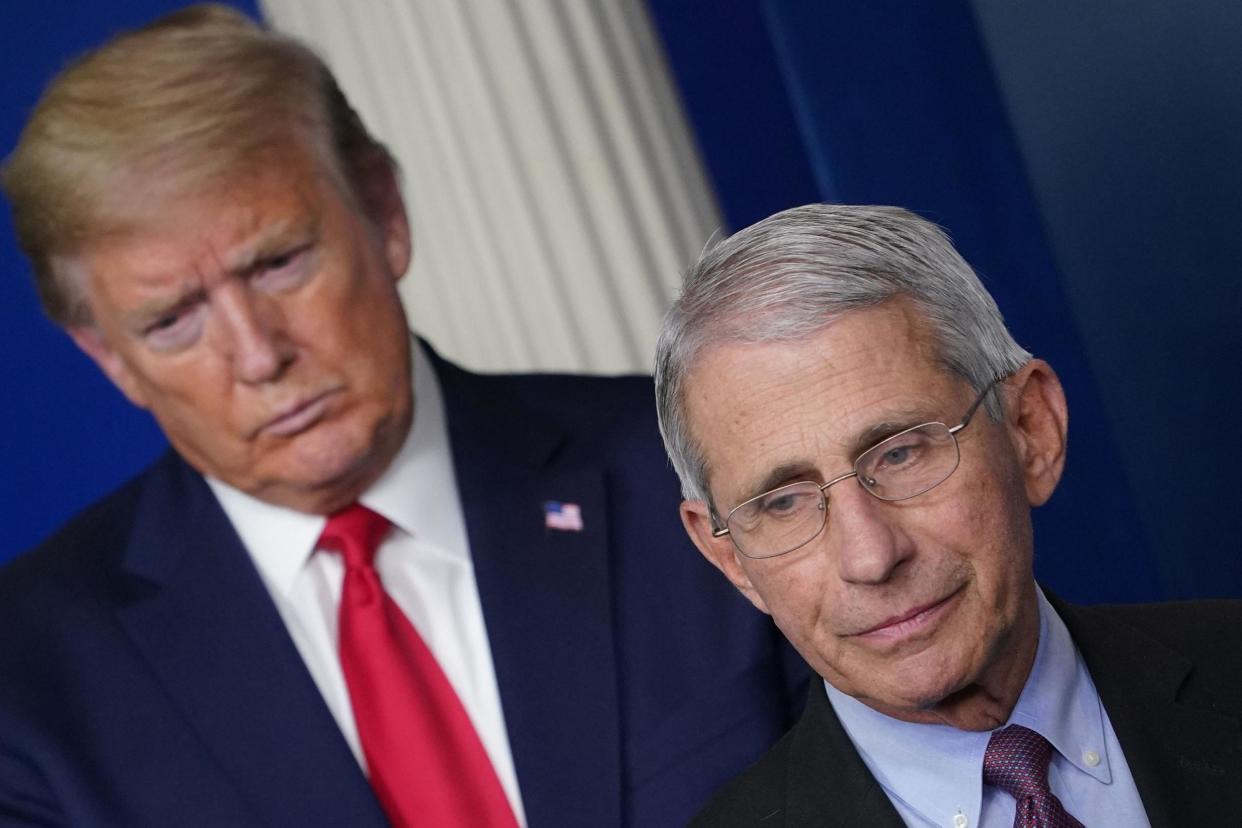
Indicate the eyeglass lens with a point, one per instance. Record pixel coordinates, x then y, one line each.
899 467
908 463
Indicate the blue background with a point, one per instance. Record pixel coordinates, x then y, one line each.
68 435
1084 160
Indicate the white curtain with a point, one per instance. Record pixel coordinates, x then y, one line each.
552 180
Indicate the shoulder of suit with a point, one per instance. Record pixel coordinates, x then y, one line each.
79 554
66 589
756 797
599 391
1206 635
1195 624
614 409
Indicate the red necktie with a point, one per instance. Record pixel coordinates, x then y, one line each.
1016 761
427 765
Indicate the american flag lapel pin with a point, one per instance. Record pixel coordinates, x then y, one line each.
563 517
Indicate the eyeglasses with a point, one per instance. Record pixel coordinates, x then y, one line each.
899 467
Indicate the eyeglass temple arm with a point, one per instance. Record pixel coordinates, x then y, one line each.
970 412
716 522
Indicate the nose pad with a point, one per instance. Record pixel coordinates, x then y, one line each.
866 543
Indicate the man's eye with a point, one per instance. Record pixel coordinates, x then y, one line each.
175 329
896 455
901 456
284 271
165 322
786 503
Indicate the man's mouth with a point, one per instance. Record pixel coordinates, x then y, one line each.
298 415
910 623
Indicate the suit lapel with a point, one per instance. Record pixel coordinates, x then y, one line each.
1184 757
827 781
546 600
216 642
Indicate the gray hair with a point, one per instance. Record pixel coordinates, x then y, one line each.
794 273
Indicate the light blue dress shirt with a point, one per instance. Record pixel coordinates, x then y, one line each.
933 774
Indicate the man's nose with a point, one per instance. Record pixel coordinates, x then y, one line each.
868 546
254 334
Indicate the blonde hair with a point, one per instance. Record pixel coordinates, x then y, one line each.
189 101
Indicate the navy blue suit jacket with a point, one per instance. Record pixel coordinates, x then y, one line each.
147 679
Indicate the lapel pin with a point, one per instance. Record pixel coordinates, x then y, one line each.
564 517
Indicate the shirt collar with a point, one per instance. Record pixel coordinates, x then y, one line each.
1060 701
937 770
418 490
417 493
278 539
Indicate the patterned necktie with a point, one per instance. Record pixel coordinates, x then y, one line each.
427 764
1016 761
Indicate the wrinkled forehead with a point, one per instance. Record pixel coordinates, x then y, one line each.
149 198
812 404
162 224
132 189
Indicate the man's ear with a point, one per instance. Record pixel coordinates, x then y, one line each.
114 366
696 517
1038 421
380 193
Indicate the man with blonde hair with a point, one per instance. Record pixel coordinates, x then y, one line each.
364 585
860 443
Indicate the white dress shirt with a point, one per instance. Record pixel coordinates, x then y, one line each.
424 563
933 774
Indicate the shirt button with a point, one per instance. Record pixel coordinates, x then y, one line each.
960 821
1091 758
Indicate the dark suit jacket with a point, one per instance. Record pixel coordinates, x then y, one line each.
1170 677
147 679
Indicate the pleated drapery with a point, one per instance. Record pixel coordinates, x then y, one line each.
553 184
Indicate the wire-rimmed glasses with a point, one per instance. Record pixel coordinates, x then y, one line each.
905 465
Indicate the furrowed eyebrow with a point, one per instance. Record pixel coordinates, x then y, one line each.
779 476
883 430
278 240
794 471
806 470
146 315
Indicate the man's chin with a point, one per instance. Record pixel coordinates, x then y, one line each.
916 696
319 471
328 483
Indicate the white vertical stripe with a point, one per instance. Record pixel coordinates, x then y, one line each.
555 190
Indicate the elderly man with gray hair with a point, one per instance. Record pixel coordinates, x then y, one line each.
860 443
